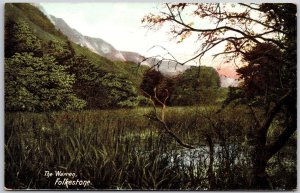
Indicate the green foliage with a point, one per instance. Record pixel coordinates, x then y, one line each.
196 86
144 101
118 92
37 17
28 30
99 88
272 65
87 84
29 13
131 71
119 149
262 74
92 84
62 51
33 79
156 85
38 84
21 39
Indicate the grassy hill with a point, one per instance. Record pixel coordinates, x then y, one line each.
46 31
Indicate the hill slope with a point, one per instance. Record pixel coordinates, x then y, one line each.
96 45
103 48
41 58
44 29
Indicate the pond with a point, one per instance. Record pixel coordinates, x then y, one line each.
231 154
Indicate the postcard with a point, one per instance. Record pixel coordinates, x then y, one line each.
150 96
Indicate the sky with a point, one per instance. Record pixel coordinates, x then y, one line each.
120 25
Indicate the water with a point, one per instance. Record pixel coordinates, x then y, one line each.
200 155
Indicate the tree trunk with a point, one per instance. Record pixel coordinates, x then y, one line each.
259 176
262 152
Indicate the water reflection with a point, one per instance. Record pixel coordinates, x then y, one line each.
231 154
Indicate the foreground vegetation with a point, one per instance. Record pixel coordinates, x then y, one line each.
123 149
52 86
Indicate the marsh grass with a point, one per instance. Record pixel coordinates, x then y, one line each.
122 149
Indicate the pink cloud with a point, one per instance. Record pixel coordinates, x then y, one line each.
228 71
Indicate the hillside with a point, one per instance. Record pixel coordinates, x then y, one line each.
105 49
44 29
96 45
97 79
54 64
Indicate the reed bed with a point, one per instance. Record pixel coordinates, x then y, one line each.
123 149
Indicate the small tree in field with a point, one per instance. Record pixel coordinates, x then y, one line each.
263 36
155 83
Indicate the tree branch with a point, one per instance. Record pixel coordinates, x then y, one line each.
272 113
162 122
282 139
254 116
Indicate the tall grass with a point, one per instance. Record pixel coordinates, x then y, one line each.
122 149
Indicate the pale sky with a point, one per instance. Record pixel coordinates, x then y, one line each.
120 25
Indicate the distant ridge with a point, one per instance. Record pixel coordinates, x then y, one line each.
105 49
